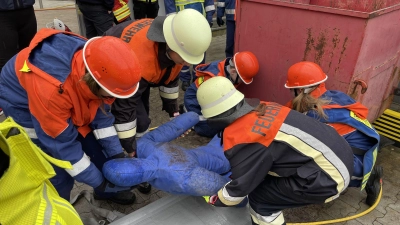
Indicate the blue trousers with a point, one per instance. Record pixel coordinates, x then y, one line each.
185 74
230 38
96 18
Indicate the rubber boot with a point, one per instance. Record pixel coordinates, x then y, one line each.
373 186
144 188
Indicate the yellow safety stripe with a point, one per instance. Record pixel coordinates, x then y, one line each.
146 1
366 176
126 134
225 198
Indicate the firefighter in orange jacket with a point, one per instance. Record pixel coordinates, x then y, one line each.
163 46
279 157
60 89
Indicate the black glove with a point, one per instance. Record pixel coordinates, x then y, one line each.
118 156
109 187
220 22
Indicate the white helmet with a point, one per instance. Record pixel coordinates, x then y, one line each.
188 34
58 25
217 95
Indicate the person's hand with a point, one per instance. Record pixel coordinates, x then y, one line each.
131 155
176 114
220 21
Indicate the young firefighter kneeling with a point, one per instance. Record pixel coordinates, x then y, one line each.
280 158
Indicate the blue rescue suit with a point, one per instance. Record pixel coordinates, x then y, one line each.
205 7
364 140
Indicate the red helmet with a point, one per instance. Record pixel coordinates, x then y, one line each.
113 64
305 74
246 65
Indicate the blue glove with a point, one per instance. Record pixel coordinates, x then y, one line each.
220 21
109 187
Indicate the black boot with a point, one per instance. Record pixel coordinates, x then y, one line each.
144 188
185 85
373 186
121 197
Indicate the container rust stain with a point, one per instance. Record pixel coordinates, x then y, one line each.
309 44
319 48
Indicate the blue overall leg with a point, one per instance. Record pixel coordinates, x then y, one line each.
185 75
230 37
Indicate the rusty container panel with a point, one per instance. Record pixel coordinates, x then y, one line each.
356 5
350 46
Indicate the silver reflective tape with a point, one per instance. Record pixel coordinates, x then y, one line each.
202 118
218 101
125 126
185 71
357 178
210 8
79 166
220 4
31 132
169 90
48 211
267 219
105 132
230 11
333 164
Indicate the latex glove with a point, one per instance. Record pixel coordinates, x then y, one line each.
109 187
220 21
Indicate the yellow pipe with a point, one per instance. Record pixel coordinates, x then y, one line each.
346 218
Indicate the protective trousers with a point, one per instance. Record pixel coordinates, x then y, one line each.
275 194
230 38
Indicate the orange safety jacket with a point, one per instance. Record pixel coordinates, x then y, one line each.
49 107
147 51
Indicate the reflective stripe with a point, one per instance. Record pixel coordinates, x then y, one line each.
169 90
210 8
225 198
125 126
147 0
126 134
48 211
185 2
220 4
313 148
274 219
31 132
169 93
202 118
230 11
79 166
356 178
105 132
185 71
273 174
169 96
218 101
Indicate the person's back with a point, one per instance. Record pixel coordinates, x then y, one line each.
348 117
279 158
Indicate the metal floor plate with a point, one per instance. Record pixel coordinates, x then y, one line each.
185 210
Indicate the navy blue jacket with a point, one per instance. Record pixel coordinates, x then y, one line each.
6 5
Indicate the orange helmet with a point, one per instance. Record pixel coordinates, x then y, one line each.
113 64
305 74
246 65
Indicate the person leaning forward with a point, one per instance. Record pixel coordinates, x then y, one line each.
60 89
279 157
163 46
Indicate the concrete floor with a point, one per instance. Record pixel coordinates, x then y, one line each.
350 203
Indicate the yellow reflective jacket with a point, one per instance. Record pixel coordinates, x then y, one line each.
26 194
